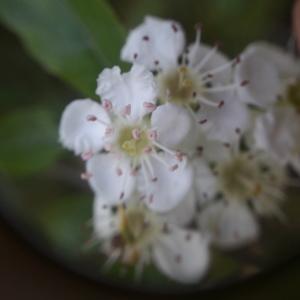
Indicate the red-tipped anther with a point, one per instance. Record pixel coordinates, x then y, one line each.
200 149
238 60
174 167
107 147
146 38
226 145
136 134
178 259
221 104
238 131
107 105
119 171
86 175
201 122
179 155
154 179
244 82
156 62
127 110
91 118
109 131
135 56
122 195
148 150
218 44
198 26
194 94
134 171
152 135
151 198
87 155
210 75
150 107
175 27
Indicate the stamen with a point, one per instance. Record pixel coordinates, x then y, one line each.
221 104
86 176
107 105
91 118
201 122
198 28
127 110
87 155
179 156
150 107
152 135
174 27
136 133
135 56
174 168
146 38
109 131
218 69
119 171
223 88
206 58
244 83
207 101
163 148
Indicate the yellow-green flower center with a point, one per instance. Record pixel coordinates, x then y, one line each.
293 95
130 145
177 86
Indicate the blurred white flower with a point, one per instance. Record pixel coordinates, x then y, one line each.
198 79
136 237
277 132
235 187
136 145
272 74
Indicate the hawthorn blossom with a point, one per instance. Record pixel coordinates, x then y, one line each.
273 74
135 236
125 142
234 188
277 131
197 79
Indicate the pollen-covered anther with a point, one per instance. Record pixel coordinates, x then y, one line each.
152 135
107 105
87 155
86 176
174 168
136 134
150 107
119 171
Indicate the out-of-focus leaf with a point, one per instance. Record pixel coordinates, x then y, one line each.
72 39
28 141
62 221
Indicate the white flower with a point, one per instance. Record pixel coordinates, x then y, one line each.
198 80
135 144
277 132
270 71
135 236
229 185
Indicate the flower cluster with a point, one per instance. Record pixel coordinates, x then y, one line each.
186 150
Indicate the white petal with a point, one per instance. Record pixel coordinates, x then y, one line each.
278 132
133 88
267 68
227 123
204 180
105 223
230 226
183 213
182 255
106 182
153 41
171 187
77 133
175 126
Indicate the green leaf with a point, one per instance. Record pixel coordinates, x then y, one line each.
72 39
28 141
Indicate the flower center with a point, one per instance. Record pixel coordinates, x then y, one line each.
293 95
178 86
133 140
245 178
